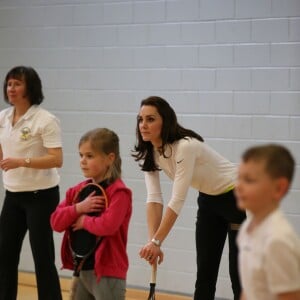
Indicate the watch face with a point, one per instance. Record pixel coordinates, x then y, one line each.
156 242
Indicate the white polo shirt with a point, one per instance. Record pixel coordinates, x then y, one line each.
269 258
30 137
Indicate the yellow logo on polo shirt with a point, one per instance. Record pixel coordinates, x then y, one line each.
25 133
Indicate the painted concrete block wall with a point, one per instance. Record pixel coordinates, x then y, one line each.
231 70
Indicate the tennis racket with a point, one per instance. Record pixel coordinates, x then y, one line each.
151 295
81 242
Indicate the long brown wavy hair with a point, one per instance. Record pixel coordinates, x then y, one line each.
171 131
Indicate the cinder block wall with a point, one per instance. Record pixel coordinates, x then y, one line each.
231 69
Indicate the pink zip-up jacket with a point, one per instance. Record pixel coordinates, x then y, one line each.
111 256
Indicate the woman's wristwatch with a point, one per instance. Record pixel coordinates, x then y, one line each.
156 242
27 161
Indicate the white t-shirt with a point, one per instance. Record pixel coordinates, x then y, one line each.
36 131
190 162
269 258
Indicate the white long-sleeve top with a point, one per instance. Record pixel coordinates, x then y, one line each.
189 162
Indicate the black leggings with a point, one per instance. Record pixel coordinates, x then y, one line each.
30 211
214 218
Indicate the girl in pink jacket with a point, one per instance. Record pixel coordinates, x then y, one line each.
103 275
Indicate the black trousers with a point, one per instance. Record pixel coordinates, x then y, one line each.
214 218
30 211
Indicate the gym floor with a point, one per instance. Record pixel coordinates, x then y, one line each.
27 290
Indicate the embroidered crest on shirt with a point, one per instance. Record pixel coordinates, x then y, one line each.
25 133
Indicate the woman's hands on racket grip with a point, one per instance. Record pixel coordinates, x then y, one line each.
91 203
152 253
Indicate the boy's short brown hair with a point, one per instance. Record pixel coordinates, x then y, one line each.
279 162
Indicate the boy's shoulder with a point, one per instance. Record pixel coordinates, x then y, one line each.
280 221
278 230
275 226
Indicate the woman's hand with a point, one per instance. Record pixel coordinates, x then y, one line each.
53 159
90 204
10 163
152 253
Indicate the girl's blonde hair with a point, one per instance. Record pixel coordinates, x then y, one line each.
105 141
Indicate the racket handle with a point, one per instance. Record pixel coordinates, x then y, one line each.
153 273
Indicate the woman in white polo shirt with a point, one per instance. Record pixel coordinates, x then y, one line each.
30 153
162 144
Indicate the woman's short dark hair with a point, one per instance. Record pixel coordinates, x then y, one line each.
32 81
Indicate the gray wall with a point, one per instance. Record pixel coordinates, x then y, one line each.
231 70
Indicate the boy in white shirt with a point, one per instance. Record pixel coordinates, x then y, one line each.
269 248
